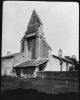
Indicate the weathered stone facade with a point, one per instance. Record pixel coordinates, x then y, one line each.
44 51
33 40
33 47
9 62
6 66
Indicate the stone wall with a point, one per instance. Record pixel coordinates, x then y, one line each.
6 66
8 63
44 52
72 76
53 64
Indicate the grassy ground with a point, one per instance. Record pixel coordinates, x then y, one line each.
46 88
31 94
43 85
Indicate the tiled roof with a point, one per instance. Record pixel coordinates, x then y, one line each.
32 62
41 61
4 57
10 56
63 59
34 23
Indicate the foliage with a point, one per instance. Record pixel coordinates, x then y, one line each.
75 62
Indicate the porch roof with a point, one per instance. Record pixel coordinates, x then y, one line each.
32 62
63 59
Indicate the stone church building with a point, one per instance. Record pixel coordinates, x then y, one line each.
35 53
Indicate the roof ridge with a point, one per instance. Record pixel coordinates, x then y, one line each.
24 62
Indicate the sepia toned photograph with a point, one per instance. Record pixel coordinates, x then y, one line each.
40 50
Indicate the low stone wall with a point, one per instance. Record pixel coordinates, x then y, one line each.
72 76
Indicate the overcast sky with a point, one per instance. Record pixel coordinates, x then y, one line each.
60 25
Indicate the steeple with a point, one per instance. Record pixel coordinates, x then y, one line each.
33 42
34 23
37 16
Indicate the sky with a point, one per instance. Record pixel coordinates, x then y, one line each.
60 25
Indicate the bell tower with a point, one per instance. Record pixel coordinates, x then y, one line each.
60 53
31 41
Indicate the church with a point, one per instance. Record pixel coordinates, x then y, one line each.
35 53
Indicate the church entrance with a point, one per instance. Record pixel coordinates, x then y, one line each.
24 72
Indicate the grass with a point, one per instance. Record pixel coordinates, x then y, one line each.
31 94
48 85
58 86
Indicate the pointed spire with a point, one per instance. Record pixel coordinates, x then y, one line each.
37 16
34 22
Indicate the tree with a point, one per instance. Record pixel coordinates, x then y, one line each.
68 57
75 62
